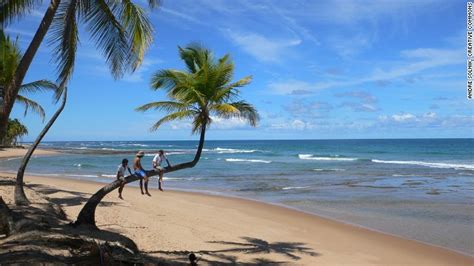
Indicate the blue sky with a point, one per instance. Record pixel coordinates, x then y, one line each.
321 69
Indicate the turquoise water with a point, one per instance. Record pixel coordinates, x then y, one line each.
420 189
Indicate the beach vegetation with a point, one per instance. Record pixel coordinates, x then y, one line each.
11 55
120 30
15 131
200 93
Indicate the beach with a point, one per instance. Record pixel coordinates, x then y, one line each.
220 229
20 152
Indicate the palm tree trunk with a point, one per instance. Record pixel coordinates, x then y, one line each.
20 197
11 90
3 128
87 214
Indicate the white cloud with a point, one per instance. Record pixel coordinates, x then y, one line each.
261 47
403 117
416 61
291 87
230 123
138 75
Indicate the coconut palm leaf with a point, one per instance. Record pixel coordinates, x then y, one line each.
180 115
205 88
64 36
38 86
167 106
30 104
13 9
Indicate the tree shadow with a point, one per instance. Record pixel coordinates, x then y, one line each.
7 182
250 245
75 198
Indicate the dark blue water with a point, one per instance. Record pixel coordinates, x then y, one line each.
420 188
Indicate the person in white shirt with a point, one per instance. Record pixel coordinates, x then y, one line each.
158 162
121 170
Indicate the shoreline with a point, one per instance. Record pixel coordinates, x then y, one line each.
385 242
8 153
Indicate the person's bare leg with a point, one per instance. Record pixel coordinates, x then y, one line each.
121 189
146 186
141 185
160 181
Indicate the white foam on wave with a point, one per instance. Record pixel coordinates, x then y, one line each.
310 157
104 175
429 164
288 188
181 178
176 153
247 160
226 150
78 165
332 169
13 158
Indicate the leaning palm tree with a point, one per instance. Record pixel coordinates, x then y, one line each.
203 91
120 29
11 54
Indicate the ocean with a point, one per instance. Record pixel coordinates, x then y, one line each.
420 189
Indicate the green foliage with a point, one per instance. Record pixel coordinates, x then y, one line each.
15 130
121 31
204 90
11 55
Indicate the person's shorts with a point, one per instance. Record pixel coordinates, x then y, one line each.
140 173
159 168
122 178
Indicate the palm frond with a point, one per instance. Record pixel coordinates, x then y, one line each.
38 86
28 103
64 35
198 123
154 4
107 32
10 58
240 109
167 106
139 30
11 10
173 116
229 91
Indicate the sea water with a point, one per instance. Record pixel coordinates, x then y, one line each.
420 189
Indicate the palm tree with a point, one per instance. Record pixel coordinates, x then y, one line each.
201 92
120 29
11 55
15 130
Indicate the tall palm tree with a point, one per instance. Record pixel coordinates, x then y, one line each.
11 55
120 29
203 91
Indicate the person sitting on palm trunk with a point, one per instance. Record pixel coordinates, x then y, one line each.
157 165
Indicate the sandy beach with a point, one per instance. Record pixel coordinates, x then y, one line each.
19 152
219 229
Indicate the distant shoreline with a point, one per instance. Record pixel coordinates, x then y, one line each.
172 140
7 153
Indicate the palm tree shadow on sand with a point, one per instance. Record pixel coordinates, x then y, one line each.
250 245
